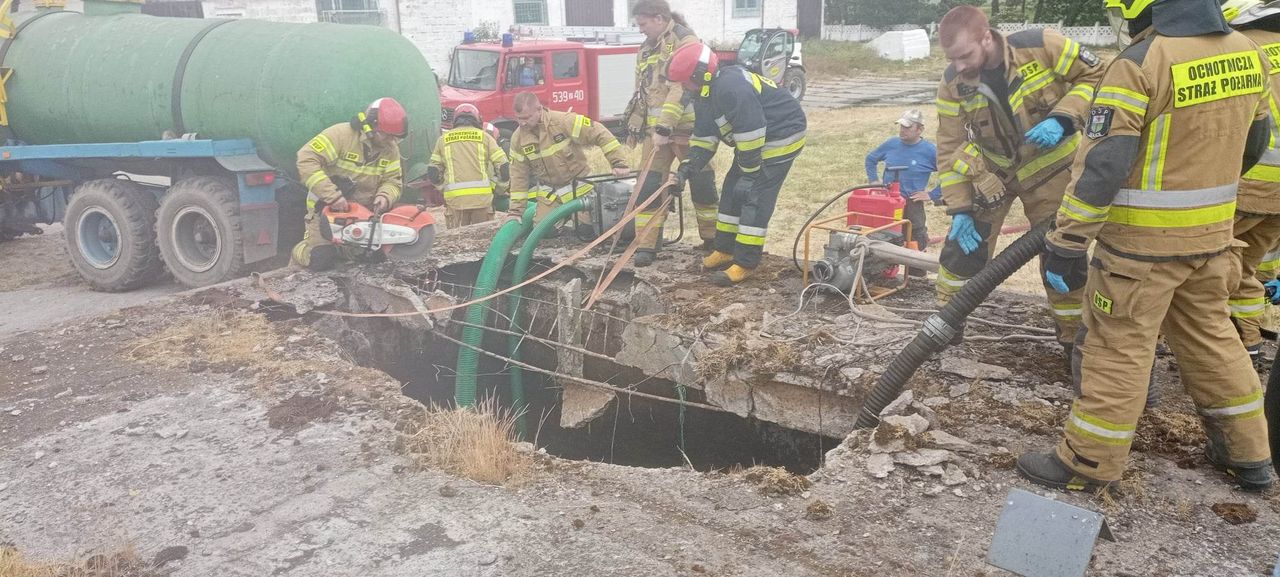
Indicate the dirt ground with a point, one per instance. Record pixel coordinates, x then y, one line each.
254 443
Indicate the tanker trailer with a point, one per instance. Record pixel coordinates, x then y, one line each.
168 143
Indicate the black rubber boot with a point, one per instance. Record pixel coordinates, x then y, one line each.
1250 478
323 258
1047 470
1260 362
645 257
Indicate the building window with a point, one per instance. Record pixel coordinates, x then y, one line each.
564 65
349 11
174 9
531 12
746 8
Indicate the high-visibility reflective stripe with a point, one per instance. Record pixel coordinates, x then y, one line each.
748 239
1247 308
976 102
951 178
948 107
722 217
470 184
962 167
1270 261
1084 91
1149 218
448 194
752 135
704 143
359 169
1123 98
579 123
436 158
545 153
316 178
755 168
749 145
643 218
783 147
1099 429
1238 408
1062 151
1068 311
1076 209
705 213
1176 198
1067 58
520 195
1268 167
1157 147
610 146
727 227
946 277
324 146
673 108
753 230
1030 86
999 160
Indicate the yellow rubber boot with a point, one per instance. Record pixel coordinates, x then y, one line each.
717 261
732 276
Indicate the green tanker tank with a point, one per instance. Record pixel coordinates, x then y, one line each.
130 77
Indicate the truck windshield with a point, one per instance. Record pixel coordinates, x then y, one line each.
749 51
474 70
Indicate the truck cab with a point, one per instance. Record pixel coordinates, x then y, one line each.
595 80
773 53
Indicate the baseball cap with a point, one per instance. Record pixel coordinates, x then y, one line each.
911 117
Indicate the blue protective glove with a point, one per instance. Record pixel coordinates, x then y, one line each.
1065 273
1056 281
1272 288
1047 134
963 232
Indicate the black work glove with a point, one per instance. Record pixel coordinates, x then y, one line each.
1065 273
681 177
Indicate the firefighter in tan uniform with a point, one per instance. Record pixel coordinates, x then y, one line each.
1177 118
1009 116
1258 202
662 115
465 165
547 155
356 161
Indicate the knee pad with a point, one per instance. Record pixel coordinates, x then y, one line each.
652 182
702 187
960 264
323 258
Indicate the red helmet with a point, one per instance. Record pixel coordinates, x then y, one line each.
467 109
387 116
695 63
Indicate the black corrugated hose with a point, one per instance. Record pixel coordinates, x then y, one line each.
1271 408
940 328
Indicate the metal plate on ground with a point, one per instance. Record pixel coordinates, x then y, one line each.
1040 537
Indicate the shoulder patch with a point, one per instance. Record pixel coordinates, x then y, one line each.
1033 38
558 138
353 156
317 145
1100 121
529 149
966 90
1088 58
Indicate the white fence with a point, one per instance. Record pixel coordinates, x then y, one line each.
1097 35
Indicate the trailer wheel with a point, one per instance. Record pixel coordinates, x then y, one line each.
199 232
794 82
111 237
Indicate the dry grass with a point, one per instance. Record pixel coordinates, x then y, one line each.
224 340
830 58
473 443
776 481
123 563
764 357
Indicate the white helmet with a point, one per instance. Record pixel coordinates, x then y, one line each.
1241 12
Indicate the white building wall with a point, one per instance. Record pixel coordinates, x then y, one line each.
298 11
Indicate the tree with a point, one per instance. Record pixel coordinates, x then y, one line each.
882 14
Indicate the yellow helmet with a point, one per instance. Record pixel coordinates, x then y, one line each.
1241 12
1129 9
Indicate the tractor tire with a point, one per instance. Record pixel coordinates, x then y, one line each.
199 233
111 235
794 81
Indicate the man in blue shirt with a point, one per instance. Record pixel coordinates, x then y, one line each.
909 159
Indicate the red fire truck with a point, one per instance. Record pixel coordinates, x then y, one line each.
592 78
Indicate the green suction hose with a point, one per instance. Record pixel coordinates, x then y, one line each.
464 391
523 262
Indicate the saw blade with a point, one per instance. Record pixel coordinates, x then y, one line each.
416 250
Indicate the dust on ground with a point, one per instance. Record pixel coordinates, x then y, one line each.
36 260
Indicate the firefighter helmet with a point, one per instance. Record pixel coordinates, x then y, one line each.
1128 9
384 115
467 110
693 63
1241 12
